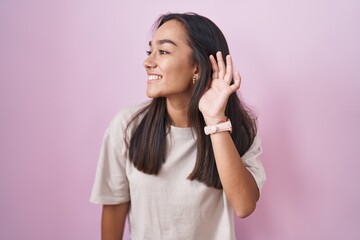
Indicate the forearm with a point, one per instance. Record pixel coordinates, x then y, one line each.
238 183
113 221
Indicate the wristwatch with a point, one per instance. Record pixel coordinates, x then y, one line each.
222 126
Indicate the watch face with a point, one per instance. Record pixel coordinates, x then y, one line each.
212 129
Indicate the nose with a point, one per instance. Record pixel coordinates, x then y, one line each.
149 62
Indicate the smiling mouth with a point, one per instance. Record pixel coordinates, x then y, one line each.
154 77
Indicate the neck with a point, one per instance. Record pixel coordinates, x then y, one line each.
178 112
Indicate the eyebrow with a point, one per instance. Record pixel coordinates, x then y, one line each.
162 41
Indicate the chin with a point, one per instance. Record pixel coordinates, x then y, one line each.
152 94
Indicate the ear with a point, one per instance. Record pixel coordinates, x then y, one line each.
196 70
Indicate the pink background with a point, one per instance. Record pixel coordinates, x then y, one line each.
67 66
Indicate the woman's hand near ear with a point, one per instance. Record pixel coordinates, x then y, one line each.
213 103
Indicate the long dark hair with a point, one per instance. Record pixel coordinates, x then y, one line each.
205 39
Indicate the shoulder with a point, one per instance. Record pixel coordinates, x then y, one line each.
126 114
252 161
122 118
255 149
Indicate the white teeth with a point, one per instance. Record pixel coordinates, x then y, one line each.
154 77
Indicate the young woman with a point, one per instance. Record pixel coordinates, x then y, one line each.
181 164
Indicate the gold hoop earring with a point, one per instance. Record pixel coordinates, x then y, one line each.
194 79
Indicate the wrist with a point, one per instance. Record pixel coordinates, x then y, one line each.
214 120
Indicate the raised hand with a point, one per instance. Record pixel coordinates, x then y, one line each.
213 103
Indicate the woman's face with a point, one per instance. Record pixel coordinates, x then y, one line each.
169 66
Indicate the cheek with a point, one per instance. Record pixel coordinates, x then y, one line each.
180 69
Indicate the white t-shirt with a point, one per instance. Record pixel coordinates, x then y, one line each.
167 206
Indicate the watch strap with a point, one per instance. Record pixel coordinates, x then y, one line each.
222 126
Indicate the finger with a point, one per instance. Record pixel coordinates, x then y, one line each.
238 77
237 81
229 69
221 64
214 66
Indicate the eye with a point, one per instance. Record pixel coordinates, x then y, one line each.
148 53
162 52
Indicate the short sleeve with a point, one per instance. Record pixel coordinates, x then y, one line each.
253 163
111 184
